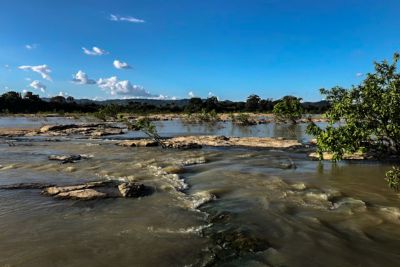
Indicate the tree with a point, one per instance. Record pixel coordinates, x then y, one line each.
31 96
58 99
195 105
253 103
211 103
288 109
364 118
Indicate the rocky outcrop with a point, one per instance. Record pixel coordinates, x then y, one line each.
347 156
217 141
21 186
92 130
138 143
69 158
10 132
96 190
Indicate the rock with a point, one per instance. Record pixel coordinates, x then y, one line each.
25 186
193 161
98 189
191 142
139 143
10 132
83 194
239 241
69 158
131 189
329 156
184 145
350 205
106 132
298 186
175 169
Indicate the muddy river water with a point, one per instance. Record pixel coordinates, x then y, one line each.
236 207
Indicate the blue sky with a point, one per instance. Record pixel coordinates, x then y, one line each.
229 48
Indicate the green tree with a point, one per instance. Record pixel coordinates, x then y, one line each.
288 109
253 103
365 117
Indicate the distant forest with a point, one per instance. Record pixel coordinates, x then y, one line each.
14 102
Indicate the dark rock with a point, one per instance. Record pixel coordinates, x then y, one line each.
25 186
131 189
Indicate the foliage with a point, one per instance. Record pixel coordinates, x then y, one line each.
365 117
253 103
145 125
204 116
242 119
393 178
109 111
288 109
13 102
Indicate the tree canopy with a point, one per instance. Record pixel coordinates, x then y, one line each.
288 109
365 117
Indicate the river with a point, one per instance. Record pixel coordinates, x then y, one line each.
241 207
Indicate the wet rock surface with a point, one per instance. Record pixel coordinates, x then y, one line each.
21 186
216 141
69 158
95 190
92 130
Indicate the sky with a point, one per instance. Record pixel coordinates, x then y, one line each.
183 48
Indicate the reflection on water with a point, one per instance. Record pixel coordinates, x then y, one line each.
177 127
243 207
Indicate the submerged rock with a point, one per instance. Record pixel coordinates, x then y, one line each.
174 169
69 158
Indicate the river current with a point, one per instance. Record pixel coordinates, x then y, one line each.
235 207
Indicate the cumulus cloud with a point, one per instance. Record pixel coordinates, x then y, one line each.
82 78
95 51
127 19
31 46
63 94
116 87
38 86
43 70
191 94
359 74
121 65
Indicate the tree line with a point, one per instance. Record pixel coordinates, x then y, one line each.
14 102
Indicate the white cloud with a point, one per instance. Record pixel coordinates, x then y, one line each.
64 94
359 74
116 87
38 86
7 66
31 46
127 19
43 70
191 94
121 65
95 51
82 78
